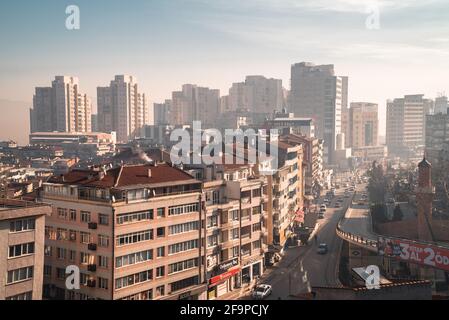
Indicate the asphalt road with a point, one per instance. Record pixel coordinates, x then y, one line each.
302 267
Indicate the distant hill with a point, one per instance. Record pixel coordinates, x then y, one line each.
15 121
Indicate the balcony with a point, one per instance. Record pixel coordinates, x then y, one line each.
92 267
92 246
92 225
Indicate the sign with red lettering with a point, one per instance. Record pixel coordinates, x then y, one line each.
419 253
224 276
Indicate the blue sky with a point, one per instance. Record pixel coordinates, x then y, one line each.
214 43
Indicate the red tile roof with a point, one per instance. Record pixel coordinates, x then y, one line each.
125 176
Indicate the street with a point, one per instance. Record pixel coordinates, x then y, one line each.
302 267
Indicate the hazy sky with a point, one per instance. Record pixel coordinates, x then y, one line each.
213 43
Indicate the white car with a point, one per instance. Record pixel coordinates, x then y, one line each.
261 291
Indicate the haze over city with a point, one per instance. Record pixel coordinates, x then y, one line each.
169 43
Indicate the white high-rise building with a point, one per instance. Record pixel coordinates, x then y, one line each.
122 108
406 123
441 105
317 93
61 107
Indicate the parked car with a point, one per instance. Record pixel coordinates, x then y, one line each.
262 291
322 248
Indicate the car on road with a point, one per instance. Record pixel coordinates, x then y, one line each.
322 248
261 291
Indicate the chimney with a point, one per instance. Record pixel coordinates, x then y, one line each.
149 173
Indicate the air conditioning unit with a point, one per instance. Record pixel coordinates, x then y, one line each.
92 225
92 267
92 246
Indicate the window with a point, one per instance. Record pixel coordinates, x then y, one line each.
85 216
61 234
134 258
72 235
160 252
102 261
160 272
21 274
21 250
133 279
102 283
50 233
135 217
235 252
182 266
47 271
21 225
62 213
161 232
179 285
60 273
256 193
23 296
160 291
72 255
86 258
188 208
212 240
134 237
212 221
85 237
183 246
103 241
256 244
161 212
61 253
235 233
72 215
103 219
257 227
235 215
183 227
47 251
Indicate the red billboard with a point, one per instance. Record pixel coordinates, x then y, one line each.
414 252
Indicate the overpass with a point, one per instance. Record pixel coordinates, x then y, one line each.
356 227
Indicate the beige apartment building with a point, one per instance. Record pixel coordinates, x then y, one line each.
22 226
236 215
363 125
134 231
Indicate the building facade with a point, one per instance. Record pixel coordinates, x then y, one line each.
61 107
22 226
134 232
122 108
363 124
406 123
316 92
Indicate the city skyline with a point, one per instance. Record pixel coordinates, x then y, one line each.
222 43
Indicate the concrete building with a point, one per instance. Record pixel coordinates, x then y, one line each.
316 92
134 231
284 120
195 103
363 125
61 107
22 227
256 95
437 134
312 150
441 105
122 108
76 144
406 122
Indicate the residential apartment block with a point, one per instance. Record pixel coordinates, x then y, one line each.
134 231
61 107
122 108
363 125
22 226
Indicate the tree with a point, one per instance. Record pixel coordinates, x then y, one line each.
397 213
